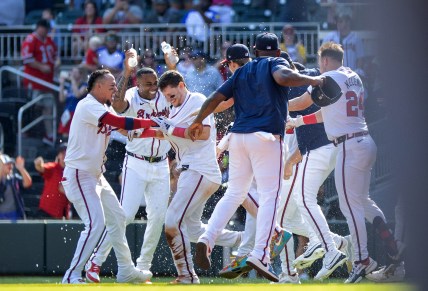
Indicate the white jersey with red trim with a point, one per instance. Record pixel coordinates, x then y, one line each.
199 155
88 139
143 108
346 115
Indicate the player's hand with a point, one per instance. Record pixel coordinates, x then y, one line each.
164 124
167 59
195 130
318 81
129 54
45 68
288 170
38 162
294 122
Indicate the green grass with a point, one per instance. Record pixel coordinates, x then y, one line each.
215 284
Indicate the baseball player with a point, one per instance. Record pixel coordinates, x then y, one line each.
84 183
346 127
145 172
260 96
200 175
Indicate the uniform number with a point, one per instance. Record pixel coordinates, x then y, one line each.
355 104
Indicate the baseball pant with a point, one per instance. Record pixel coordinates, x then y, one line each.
183 220
316 166
354 162
98 207
250 156
141 179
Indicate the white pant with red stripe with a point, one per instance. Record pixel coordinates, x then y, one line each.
183 220
316 165
141 180
354 163
250 156
98 207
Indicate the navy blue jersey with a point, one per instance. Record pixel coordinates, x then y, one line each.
260 103
309 137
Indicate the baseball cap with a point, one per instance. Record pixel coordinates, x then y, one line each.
266 41
61 147
5 159
236 52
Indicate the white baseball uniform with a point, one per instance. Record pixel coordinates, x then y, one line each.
199 179
345 124
88 190
145 176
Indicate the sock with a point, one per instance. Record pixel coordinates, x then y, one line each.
385 235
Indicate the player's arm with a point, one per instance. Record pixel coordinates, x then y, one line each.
300 103
287 77
224 105
208 107
120 104
181 132
294 158
20 166
305 120
127 123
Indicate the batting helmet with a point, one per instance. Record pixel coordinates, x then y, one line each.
326 94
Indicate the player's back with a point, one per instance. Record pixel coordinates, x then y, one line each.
346 115
88 139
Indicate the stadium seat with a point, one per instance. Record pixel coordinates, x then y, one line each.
33 16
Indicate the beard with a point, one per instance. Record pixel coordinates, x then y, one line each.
108 103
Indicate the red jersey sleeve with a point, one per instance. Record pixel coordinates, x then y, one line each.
27 49
49 169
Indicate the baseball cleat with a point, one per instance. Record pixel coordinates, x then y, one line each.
186 280
289 279
278 242
388 274
202 257
92 272
134 276
236 268
312 253
332 260
359 271
264 269
77 280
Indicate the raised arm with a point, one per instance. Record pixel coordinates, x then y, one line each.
120 104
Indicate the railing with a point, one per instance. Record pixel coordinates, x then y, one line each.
147 36
19 74
36 121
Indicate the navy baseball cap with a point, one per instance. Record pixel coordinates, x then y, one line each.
236 52
266 41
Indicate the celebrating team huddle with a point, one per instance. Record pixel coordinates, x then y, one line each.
277 163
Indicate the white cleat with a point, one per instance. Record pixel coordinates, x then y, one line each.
289 279
359 271
332 260
134 276
312 253
92 272
388 274
77 280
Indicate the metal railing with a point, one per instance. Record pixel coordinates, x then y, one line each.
20 74
23 109
145 36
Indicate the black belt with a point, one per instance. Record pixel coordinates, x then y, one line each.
149 159
342 138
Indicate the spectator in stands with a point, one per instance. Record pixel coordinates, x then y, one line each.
53 203
197 21
109 56
162 13
185 65
221 65
72 89
224 9
53 33
79 4
148 60
205 78
39 55
264 4
123 13
292 46
80 35
11 201
91 62
352 45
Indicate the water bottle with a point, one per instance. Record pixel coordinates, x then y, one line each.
166 48
132 62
